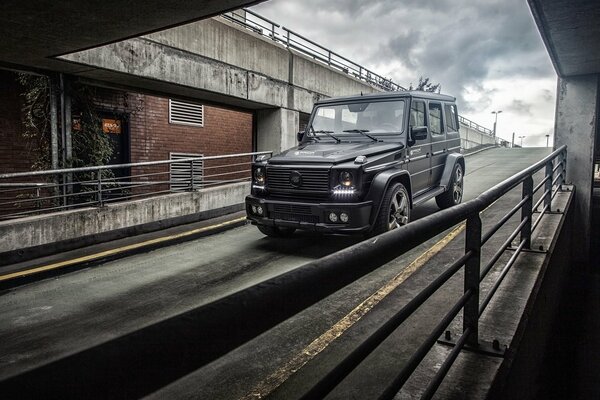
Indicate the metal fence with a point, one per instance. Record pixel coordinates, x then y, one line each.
27 193
233 320
475 126
292 40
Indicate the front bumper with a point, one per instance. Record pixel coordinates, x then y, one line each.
310 216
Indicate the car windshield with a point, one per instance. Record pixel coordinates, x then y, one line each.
355 119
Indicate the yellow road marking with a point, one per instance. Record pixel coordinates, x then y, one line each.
278 377
118 250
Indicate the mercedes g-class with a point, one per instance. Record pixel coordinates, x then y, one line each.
361 164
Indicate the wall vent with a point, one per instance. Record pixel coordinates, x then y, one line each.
181 112
181 172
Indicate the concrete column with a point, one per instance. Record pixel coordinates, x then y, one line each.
276 129
576 125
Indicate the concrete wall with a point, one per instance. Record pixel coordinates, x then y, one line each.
471 138
276 129
217 57
75 224
576 126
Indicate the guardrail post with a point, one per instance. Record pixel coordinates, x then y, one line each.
329 58
562 158
192 176
287 36
548 185
472 274
527 211
99 188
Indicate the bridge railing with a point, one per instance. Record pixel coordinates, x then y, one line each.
231 321
294 291
28 193
475 126
292 40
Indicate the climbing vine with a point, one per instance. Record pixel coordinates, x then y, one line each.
90 146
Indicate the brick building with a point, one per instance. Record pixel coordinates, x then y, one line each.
145 130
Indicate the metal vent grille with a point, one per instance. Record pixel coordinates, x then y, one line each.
181 112
181 172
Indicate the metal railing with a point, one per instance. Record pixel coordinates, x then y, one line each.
27 193
475 126
292 40
554 167
233 320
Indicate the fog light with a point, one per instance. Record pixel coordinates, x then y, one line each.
344 217
333 217
259 210
253 209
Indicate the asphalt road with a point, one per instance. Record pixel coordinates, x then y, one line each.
50 319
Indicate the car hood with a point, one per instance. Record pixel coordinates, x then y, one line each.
332 152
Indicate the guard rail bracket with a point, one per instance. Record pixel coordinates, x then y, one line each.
527 250
493 348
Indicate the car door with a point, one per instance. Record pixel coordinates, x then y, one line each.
419 151
438 142
452 126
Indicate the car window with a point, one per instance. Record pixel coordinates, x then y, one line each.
374 117
451 121
435 118
417 113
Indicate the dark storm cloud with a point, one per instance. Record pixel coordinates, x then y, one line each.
462 44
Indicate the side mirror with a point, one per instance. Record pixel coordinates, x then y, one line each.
300 136
419 132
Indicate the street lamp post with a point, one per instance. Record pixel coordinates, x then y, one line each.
496 120
547 140
521 137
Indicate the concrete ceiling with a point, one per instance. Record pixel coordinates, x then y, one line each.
34 32
571 32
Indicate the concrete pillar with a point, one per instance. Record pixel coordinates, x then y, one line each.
576 125
276 129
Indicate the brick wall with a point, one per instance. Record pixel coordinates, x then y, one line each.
152 137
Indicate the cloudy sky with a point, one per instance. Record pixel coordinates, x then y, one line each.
486 53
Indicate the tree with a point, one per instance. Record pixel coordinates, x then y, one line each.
426 86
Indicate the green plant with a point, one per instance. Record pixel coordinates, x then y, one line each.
90 146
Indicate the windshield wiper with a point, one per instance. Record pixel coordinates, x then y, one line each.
362 132
328 133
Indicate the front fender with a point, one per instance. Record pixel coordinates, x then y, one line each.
451 161
380 184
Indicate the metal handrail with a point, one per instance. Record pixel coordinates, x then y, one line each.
240 316
70 188
475 126
293 40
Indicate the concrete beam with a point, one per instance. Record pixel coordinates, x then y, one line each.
576 126
276 129
35 31
218 61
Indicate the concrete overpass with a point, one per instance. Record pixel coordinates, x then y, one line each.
577 123
35 32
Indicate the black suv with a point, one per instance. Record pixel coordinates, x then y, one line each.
361 165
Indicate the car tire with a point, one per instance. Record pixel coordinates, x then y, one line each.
394 211
454 194
275 231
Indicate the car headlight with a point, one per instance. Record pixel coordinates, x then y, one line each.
346 178
259 175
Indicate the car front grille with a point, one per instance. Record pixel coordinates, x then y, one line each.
292 209
313 219
313 180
